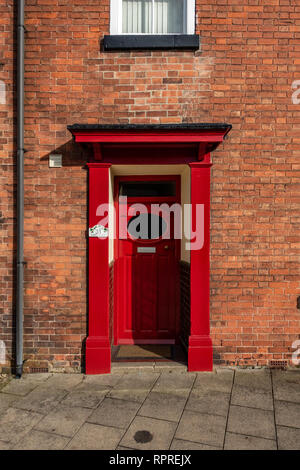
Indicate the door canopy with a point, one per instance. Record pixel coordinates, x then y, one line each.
188 142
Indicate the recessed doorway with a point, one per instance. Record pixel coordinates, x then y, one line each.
146 261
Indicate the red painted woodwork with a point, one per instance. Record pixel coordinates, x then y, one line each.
141 146
97 151
200 353
98 352
145 154
147 284
138 136
204 139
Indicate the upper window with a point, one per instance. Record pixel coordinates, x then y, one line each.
152 17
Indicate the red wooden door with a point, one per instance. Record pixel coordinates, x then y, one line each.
147 276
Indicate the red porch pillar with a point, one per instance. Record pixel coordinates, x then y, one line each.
98 351
200 344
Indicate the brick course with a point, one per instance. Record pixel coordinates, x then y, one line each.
243 74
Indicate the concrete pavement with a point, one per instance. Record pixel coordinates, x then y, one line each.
153 409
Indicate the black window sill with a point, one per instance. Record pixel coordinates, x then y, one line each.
150 42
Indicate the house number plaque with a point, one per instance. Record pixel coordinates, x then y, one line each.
98 231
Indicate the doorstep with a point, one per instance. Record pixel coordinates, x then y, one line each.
159 363
153 366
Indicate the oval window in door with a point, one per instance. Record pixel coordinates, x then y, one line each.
146 227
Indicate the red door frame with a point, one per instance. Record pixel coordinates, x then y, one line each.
98 350
160 200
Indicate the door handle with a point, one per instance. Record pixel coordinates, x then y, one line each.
166 247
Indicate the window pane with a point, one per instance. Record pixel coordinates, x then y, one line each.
147 189
169 16
137 16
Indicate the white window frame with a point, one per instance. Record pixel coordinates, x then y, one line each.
116 18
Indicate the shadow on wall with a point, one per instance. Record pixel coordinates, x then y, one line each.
72 154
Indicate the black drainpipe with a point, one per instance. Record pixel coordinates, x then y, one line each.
20 190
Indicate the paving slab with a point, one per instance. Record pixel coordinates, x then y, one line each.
116 413
132 367
123 448
179 444
240 442
288 438
5 445
37 440
84 398
251 422
15 423
286 385
134 388
202 428
7 401
98 382
25 384
170 367
175 383
64 381
64 420
96 437
287 414
253 388
220 380
163 406
208 401
42 399
4 380
254 379
149 434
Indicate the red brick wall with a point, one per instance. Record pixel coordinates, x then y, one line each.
243 74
